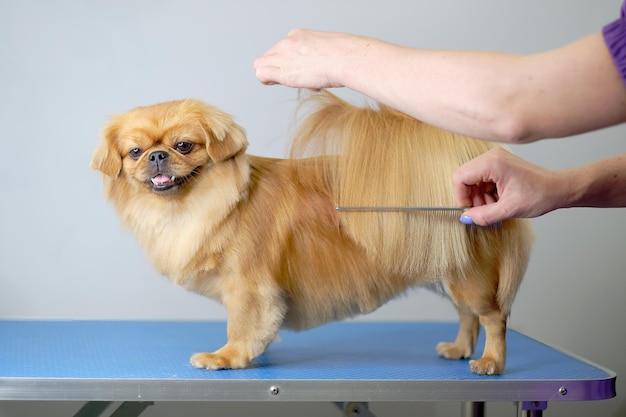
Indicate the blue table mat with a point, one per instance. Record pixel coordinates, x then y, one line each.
347 350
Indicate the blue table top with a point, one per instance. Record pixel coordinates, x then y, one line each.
355 361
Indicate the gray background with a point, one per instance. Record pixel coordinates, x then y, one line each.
66 65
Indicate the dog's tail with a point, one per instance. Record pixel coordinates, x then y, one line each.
376 156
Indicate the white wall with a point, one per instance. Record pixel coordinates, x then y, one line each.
66 65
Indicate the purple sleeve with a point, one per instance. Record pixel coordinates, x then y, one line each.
615 38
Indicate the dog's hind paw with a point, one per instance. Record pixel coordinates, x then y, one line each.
215 361
451 350
486 366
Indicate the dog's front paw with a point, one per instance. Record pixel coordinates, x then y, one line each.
486 366
452 350
218 360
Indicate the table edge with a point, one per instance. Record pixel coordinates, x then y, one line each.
305 390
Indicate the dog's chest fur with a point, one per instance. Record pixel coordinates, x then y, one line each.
185 239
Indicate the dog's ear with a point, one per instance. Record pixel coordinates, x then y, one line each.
225 138
106 159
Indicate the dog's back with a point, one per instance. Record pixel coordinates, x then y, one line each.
386 158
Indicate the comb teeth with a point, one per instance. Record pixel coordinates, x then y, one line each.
399 208
465 220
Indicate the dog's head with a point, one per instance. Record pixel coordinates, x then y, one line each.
160 148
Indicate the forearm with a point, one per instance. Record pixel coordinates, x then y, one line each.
488 95
600 184
456 90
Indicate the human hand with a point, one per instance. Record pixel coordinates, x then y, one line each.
305 59
498 185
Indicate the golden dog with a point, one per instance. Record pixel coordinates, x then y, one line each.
263 236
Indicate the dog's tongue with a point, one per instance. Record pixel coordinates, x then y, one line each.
161 179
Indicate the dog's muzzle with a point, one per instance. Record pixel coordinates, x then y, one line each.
160 178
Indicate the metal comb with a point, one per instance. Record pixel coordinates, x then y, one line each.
412 208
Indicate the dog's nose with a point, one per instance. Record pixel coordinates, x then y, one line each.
157 157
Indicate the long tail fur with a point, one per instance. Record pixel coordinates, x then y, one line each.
382 157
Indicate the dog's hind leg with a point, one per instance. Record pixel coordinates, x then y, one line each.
463 345
475 296
494 355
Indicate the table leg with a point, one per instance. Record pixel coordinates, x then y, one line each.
533 408
355 409
473 409
92 409
127 409
131 409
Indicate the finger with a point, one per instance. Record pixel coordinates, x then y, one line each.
268 75
466 181
484 215
490 192
464 193
477 197
479 194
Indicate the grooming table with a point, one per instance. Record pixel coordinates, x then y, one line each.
349 363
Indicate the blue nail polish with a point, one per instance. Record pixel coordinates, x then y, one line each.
466 220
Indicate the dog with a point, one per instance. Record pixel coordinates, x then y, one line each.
263 235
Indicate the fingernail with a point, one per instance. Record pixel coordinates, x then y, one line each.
466 219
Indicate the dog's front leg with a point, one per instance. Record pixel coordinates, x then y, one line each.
254 318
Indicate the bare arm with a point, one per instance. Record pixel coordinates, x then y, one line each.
487 95
599 184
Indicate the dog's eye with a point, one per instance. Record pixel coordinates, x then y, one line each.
184 147
135 153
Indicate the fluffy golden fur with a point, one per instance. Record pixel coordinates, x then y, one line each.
262 235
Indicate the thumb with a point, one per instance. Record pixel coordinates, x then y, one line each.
484 215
